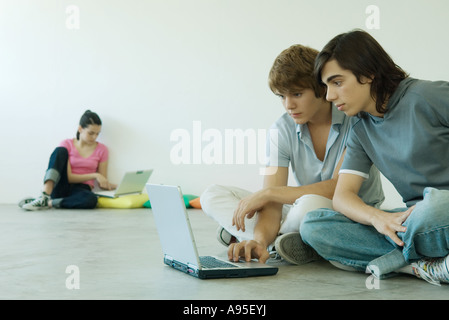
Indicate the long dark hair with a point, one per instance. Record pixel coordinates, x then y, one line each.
87 119
360 53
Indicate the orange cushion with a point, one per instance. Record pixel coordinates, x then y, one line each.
195 203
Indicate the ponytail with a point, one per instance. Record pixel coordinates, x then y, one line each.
87 119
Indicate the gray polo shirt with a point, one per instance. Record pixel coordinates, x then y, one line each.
291 144
410 144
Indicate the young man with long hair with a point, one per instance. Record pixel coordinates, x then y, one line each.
310 137
402 128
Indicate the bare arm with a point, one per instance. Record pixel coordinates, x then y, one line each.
288 195
269 218
79 178
276 191
271 200
268 203
347 201
103 171
268 223
99 176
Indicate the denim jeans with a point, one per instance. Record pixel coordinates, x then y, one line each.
67 195
337 238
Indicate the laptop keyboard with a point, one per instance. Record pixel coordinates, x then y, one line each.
211 263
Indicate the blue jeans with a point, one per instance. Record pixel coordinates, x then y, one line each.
67 195
337 238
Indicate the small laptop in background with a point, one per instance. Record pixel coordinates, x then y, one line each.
178 243
132 183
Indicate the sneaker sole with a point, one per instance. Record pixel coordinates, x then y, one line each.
293 250
34 208
220 231
29 207
25 201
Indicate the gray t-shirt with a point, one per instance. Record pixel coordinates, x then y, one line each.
291 144
410 144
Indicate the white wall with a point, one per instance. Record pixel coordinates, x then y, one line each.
149 67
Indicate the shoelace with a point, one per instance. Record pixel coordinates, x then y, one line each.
275 255
40 202
421 273
432 271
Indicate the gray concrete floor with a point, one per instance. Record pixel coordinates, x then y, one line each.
118 256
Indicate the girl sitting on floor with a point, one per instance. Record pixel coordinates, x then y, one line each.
73 168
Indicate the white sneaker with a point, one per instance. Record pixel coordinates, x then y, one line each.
433 270
24 201
224 237
40 203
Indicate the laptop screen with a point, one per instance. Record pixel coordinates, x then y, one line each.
172 223
133 182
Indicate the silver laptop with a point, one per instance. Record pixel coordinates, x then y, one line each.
178 243
132 183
